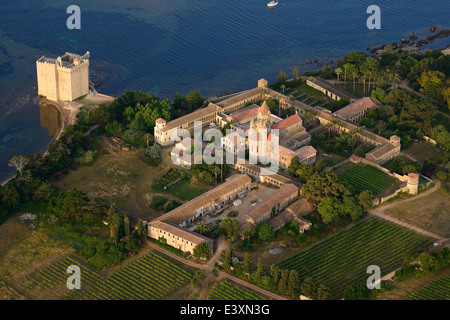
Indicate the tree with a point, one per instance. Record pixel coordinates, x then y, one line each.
114 220
329 209
248 233
338 72
414 167
18 162
283 87
9 197
349 70
296 72
304 172
442 176
309 288
441 135
293 283
227 254
259 270
126 222
323 292
265 231
446 94
284 280
216 170
275 272
281 77
365 199
153 153
140 229
432 83
201 227
427 262
351 208
230 226
247 267
202 251
198 278
355 74
321 185
356 292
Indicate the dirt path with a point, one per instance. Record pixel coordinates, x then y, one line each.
379 212
222 245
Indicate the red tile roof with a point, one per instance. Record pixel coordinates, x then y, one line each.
286 123
245 115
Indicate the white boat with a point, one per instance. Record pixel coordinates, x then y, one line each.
272 3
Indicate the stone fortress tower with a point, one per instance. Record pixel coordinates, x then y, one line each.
65 78
395 141
413 183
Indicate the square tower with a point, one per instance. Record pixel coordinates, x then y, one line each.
65 78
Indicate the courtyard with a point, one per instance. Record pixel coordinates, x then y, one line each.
252 198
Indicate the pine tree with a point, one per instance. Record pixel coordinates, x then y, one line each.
309 288
259 270
226 259
247 263
126 223
293 283
275 271
283 284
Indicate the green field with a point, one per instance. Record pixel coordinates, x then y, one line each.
359 178
438 289
343 258
149 278
185 189
225 290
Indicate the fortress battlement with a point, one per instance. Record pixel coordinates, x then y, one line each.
65 78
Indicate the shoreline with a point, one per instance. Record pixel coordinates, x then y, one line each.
71 110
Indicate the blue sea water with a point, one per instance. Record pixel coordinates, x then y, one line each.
165 47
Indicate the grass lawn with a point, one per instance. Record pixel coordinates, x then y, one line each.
185 189
303 91
422 151
364 177
118 176
431 213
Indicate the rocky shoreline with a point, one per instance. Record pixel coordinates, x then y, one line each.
412 44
